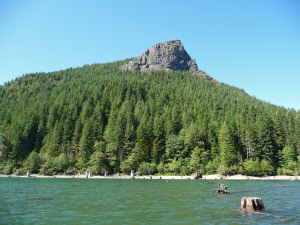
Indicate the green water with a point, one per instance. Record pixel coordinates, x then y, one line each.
104 201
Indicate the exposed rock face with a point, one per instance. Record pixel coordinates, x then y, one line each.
170 55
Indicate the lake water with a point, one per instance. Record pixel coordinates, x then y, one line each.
107 201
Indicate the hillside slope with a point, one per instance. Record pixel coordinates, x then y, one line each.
101 119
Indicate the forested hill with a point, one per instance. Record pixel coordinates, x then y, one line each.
98 118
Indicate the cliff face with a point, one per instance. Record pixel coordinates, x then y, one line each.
170 55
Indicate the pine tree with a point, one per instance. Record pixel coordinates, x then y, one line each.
86 142
52 146
266 143
159 139
227 149
3 148
192 137
98 125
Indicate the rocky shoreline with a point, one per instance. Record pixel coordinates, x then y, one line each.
154 177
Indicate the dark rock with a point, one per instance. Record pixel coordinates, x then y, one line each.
170 55
197 175
221 189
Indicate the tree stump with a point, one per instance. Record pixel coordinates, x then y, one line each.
132 175
252 204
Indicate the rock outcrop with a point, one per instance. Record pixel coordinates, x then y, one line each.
197 175
170 55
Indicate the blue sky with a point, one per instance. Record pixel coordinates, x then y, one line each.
253 45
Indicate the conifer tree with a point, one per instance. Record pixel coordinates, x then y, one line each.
159 139
86 142
228 152
266 141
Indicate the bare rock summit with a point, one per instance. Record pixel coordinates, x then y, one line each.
170 55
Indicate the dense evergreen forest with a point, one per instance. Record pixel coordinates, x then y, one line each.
98 118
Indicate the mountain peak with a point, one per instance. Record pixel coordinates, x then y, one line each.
170 55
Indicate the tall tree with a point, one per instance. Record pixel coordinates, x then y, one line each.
159 139
228 152
86 142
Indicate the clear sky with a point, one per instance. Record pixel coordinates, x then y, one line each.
253 45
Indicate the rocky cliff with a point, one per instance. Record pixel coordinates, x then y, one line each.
170 55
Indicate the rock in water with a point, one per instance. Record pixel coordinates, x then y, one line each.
197 175
252 204
221 189
170 55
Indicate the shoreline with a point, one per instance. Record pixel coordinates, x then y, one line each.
154 177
